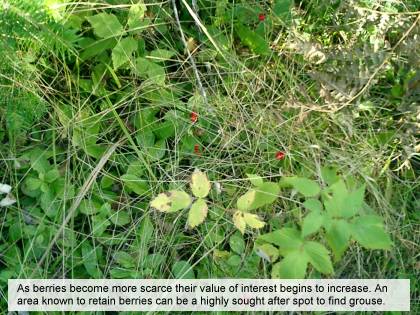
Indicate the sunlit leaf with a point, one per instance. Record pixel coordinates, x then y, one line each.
293 266
369 231
171 201
239 221
253 220
105 25
200 184
197 213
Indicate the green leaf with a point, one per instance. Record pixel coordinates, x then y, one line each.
200 184
293 266
370 233
89 207
123 51
96 47
288 239
338 236
51 175
334 205
150 70
305 186
353 203
124 259
267 251
312 223
139 186
282 9
90 260
262 195
157 151
183 270
105 25
99 224
255 42
136 15
245 202
313 205
33 183
236 243
197 213
319 257
162 54
255 179
120 218
329 175
39 161
171 201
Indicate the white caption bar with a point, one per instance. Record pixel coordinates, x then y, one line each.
209 295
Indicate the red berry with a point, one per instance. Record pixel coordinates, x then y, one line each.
280 155
196 149
261 17
194 117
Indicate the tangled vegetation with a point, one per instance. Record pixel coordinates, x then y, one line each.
209 138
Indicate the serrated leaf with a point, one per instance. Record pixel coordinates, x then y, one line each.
171 201
124 259
239 221
267 252
305 186
183 270
319 257
255 42
197 213
313 205
150 70
292 266
253 221
123 51
51 175
136 184
312 223
262 195
282 9
335 204
33 183
162 54
329 175
244 202
89 207
136 15
105 25
288 239
90 260
120 218
200 184
255 179
338 236
236 243
157 151
369 231
353 202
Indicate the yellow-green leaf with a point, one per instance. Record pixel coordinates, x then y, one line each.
198 213
253 221
200 184
245 201
171 201
239 221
